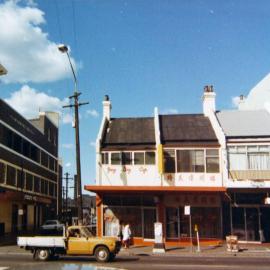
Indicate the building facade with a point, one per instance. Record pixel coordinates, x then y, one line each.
216 163
248 183
29 170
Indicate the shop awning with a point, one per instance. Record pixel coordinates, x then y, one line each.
149 189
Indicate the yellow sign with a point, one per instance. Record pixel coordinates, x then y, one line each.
160 159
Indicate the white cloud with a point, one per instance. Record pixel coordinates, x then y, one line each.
25 49
68 164
258 97
169 111
93 113
29 102
92 144
68 145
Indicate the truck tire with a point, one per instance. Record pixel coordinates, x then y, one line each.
102 254
43 254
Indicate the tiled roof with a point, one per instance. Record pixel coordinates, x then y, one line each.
245 123
130 131
186 128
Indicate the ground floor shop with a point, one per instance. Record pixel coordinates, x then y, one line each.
248 215
23 212
141 209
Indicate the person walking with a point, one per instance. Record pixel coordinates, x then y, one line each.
126 235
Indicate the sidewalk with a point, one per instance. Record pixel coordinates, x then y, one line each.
246 250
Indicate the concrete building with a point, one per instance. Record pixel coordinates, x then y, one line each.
30 179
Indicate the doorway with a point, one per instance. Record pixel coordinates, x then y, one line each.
149 218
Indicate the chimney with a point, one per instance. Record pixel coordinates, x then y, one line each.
209 100
241 103
107 107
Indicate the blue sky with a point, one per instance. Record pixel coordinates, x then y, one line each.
141 53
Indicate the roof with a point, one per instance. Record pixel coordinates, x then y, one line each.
130 131
244 123
194 129
186 128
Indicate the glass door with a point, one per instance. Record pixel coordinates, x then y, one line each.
149 218
252 221
238 221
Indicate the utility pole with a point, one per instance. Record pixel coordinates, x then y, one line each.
67 178
75 104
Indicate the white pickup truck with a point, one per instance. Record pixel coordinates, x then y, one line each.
76 240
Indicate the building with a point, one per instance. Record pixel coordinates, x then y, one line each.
149 169
247 209
30 179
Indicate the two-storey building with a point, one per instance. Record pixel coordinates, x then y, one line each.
247 210
149 169
29 169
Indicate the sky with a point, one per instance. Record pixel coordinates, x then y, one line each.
143 54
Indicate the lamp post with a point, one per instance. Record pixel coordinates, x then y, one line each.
76 104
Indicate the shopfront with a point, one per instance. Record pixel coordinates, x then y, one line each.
250 217
142 209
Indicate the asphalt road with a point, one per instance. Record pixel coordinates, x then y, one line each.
25 261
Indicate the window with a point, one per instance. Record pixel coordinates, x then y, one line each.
29 181
190 161
34 153
169 161
20 178
17 143
26 148
51 189
105 158
126 158
42 185
150 158
139 158
11 176
2 172
44 159
51 163
36 184
249 157
115 158
212 161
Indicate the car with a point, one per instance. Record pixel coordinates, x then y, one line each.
52 224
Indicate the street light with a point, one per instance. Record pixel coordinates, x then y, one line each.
3 70
64 49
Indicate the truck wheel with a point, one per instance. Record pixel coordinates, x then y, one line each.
43 254
102 254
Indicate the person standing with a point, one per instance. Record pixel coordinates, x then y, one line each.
126 235
120 231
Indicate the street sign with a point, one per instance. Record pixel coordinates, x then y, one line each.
187 210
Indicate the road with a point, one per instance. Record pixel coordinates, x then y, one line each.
25 261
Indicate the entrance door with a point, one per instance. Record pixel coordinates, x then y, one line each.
252 220
246 224
149 218
265 221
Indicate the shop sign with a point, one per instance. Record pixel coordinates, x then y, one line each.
30 197
187 210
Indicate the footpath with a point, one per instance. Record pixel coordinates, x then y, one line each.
246 250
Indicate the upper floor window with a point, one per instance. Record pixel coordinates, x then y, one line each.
195 160
254 157
129 158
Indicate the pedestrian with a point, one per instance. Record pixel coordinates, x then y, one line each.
126 235
120 231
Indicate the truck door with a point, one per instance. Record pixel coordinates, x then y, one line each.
77 244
